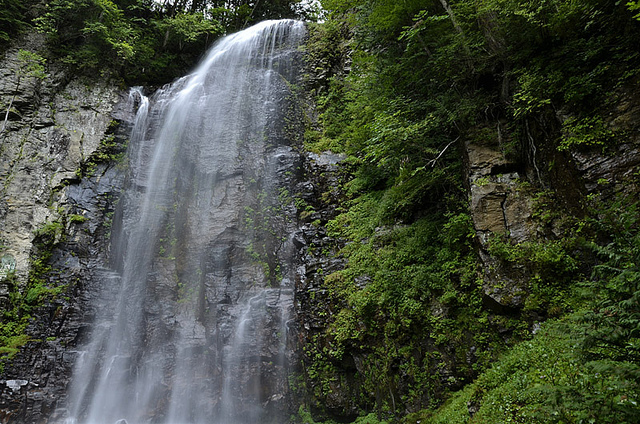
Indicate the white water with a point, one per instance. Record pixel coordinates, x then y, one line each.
184 331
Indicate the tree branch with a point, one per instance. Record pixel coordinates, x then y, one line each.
432 162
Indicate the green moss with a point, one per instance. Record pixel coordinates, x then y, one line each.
10 345
24 298
111 150
77 219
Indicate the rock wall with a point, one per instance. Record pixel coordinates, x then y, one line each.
320 195
57 195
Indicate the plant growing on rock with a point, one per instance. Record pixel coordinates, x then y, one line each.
25 297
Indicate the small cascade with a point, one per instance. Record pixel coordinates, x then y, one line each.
191 326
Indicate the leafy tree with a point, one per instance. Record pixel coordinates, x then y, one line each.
185 28
145 41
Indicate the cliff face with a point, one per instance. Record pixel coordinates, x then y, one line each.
531 198
219 296
59 186
53 126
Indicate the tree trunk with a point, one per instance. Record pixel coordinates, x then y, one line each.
456 26
6 115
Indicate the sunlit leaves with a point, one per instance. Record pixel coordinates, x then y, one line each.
186 28
634 6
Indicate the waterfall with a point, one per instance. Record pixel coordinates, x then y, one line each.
191 326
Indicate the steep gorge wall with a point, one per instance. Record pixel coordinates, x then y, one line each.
59 186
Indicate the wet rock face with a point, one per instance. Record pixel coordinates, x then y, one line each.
45 362
320 195
54 126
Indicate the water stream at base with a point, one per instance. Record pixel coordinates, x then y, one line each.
191 326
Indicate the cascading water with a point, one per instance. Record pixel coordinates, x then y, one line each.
192 326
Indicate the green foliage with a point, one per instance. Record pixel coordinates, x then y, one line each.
10 344
552 270
424 76
404 285
585 132
25 297
634 6
533 95
31 64
326 52
118 37
304 417
12 18
185 28
583 368
577 37
411 280
77 219
547 380
612 328
140 40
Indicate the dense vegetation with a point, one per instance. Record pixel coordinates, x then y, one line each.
406 85
141 41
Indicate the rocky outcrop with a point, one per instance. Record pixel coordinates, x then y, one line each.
500 207
52 128
320 196
613 171
528 199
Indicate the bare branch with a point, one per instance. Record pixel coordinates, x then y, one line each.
432 162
